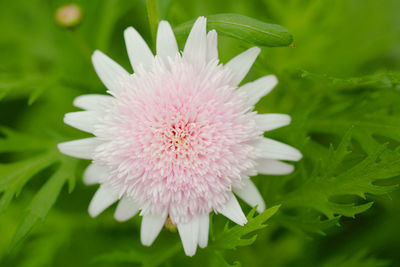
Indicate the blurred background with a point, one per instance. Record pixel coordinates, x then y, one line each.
342 67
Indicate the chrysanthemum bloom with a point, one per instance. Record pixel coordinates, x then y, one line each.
178 137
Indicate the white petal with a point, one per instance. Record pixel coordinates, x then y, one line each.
138 51
268 122
195 49
273 167
241 64
257 89
212 45
166 42
82 120
126 209
189 233
82 148
250 194
94 174
110 73
271 149
233 211
92 102
102 199
151 227
204 224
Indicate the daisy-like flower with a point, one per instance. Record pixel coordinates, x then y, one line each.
178 137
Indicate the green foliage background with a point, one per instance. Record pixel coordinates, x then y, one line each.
339 81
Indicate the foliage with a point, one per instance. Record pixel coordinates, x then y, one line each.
231 238
244 28
15 175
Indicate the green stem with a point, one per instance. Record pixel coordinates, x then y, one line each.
81 45
152 12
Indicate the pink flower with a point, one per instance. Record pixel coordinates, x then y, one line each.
178 137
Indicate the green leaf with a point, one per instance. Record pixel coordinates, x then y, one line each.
15 175
358 180
306 225
44 199
365 103
24 85
217 260
244 28
231 238
13 141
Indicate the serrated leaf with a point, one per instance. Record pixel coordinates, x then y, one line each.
244 28
217 260
336 157
368 110
356 181
306 225
233 237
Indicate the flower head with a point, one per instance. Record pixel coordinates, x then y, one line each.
178 137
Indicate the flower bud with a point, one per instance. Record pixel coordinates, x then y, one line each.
68 16
170 226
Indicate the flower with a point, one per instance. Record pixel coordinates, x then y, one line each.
178 137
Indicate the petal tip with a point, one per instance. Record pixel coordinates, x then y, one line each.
201 19
60 147
190 253
146 244
146 241
274 80
96 54
119 218
255 50
129 30
163 22
290 169
65 148
203 245
67 118
242 222
298 156
151 228
93 211
126 209
260 207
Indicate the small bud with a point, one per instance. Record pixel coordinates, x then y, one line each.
170 226
68 16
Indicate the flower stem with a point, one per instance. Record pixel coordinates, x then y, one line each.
152 13
81 44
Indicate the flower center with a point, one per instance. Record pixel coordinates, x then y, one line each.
177 139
